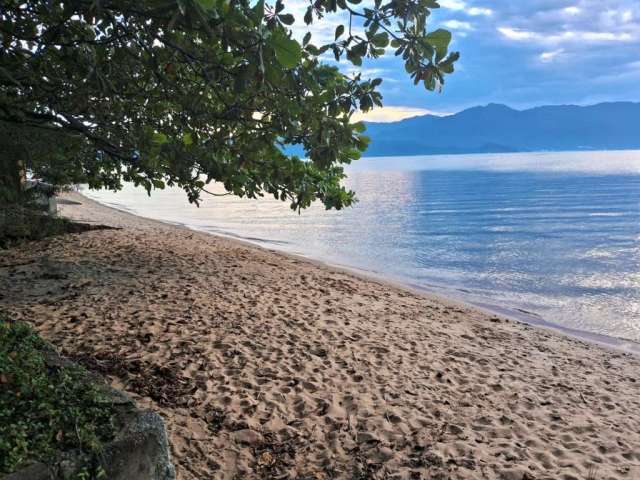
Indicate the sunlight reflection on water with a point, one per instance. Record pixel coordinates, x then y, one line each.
553 233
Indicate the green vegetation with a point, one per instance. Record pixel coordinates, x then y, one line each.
186 92
46 409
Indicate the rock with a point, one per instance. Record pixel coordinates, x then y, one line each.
510 457
140 450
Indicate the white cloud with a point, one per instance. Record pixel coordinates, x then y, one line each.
573 10
515 34
457 25
393 114
462 5
576 26
476 11
322 31
605 36
547 57
453 4
564 37
365 72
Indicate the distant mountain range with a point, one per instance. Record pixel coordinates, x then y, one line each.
498 128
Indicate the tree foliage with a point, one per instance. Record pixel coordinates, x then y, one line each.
186 92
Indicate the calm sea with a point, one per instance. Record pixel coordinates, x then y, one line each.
554 234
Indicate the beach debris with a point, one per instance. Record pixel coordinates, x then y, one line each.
266 460
162 383
215 418
275 455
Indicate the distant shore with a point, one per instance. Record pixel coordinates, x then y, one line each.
265 365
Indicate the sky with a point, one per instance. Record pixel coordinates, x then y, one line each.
522 53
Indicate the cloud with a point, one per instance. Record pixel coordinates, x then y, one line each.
368 73
514 34
453 4
365 72
393 114
566 36
522 53
572 10
548 57
465 7
475 11
457 25
583 23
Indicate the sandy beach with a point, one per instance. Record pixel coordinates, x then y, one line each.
268 366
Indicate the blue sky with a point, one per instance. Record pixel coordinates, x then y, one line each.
525 53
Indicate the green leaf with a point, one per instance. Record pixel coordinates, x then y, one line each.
353 58
360 50
159 184
440 40
258 10
159 138
288 51
308 16
207 4
248 60
287 19
359 127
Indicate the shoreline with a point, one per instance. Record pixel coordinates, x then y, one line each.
267 365
513 313
533 152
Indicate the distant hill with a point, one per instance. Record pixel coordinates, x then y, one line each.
498 128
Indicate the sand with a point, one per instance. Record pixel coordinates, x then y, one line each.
269 366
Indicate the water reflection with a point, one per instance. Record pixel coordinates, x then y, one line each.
557 234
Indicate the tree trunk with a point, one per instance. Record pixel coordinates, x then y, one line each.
13 175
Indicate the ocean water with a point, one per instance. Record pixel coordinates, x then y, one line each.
556 235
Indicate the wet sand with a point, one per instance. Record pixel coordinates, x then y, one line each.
265 365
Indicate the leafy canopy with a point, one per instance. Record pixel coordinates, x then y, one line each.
186 92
